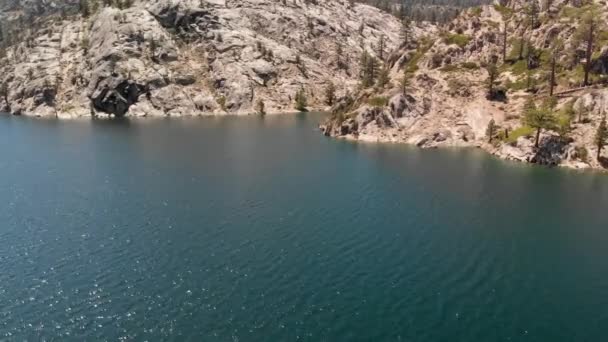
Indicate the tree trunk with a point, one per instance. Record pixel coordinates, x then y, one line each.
521 49
552 80
521 45
504 44
599 152
589 52
537 137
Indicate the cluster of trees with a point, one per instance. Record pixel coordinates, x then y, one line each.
38 7
545 116
88 7
589 29
373 68
21 29
35 15
438 11
301 100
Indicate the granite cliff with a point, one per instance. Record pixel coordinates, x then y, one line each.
183 57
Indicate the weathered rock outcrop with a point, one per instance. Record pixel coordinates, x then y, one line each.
191 57
447 101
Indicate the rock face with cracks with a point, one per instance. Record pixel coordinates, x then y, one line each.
190 57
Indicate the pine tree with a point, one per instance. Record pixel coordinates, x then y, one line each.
490 130
492 75
404 82
85 9
260 107
406 31
601 136
533 11
340 63
581 110
301 101
564 123
556 50
504 43
369 70
381 47
401 12
586 34
530 81
383 77
363 64
538 118
522 45
330 93
301 66
4 95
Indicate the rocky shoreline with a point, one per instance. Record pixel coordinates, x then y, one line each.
527 154
475 83
435 130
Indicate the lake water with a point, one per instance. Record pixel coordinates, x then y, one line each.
261 229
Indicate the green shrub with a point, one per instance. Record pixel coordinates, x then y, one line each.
458 87
573 13
222 102
476 11
582 153
469 65
449 68
493 24
519 84
378 101
518 68
459 39
523 131
412 64
515 46
505 11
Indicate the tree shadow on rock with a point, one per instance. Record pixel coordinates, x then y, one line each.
551 151
497 95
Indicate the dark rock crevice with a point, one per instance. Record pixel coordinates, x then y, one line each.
117 100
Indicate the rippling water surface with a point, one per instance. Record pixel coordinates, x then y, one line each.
250 229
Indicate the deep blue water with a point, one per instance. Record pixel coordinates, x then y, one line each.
261 229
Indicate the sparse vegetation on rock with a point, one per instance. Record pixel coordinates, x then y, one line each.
523 80
179 57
